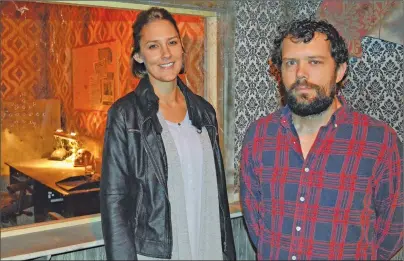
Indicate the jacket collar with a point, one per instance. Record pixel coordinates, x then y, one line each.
150 102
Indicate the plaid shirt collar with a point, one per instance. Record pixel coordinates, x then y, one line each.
338 116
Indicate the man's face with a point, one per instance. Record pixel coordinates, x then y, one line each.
309 75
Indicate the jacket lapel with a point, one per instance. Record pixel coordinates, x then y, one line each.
151 130
155 149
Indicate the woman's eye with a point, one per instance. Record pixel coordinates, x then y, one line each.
174 42
152 46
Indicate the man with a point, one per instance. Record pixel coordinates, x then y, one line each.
318 179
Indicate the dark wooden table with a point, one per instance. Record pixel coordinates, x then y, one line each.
44 174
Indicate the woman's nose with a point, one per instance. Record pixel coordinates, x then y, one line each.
166 52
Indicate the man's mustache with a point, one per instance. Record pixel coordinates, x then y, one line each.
303 82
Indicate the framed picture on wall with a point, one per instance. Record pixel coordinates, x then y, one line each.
96 75
108 90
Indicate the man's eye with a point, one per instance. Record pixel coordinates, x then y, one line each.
290 63
152 46
173 42
314 62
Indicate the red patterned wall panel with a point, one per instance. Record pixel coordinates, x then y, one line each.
355 19
192 35
37 56
22 51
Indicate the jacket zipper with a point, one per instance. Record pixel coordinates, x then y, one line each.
139 205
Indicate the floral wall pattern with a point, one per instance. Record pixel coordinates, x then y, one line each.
375 82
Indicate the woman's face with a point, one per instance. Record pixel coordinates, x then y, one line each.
160 51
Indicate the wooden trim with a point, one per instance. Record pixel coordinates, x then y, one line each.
49 225
211 61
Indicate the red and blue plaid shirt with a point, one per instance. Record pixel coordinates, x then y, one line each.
344 201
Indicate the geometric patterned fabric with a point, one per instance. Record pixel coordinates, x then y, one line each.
36 54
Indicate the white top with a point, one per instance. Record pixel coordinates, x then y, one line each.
189 146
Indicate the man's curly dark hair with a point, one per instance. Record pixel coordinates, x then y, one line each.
303 31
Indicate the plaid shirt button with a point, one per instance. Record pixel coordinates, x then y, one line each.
306 169
298 228
302 199
293 257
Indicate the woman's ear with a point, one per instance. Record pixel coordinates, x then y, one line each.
138 58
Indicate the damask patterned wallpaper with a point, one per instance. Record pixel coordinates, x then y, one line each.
374 87
256 92
375 82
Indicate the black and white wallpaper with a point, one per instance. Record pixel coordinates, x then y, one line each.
256 92
374 87
375 82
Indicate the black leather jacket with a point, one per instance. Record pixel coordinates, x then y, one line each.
135 210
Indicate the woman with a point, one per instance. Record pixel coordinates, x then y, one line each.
163 190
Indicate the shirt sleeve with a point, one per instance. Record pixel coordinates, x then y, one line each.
389 202
250 193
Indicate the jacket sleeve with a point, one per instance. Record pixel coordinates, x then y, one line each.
250 191
114 192
389 202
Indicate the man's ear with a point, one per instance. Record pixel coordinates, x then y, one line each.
341 72
138 58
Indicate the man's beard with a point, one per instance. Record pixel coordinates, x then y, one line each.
315 105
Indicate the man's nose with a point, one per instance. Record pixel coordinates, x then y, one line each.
301 71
